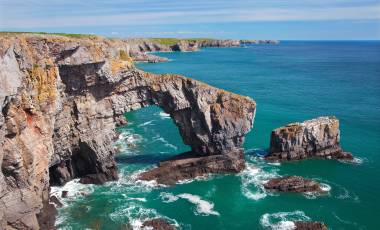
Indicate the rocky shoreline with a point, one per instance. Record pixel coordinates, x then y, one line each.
60 105
141 48
63 98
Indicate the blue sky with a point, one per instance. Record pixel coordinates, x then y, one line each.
255 19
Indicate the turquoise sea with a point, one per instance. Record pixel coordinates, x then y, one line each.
292 81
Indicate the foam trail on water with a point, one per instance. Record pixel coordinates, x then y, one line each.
145 123
203 207
168 197
164 115
165 142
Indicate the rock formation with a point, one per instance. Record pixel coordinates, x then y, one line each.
319 137
293 184
308 225
60 99
158 224
190 165
140 47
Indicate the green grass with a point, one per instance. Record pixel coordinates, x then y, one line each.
57 34
173 41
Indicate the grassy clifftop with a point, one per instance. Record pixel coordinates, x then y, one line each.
56 34
173 41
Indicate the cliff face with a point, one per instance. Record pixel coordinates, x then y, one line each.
318 137
140 47
60 99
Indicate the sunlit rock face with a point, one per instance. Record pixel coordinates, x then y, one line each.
318 137
60 101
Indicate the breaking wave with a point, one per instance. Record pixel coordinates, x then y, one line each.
254 176
282 220
74 191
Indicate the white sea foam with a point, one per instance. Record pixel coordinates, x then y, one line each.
197 178
325 187
134 198
253 179
274 163
165 142
164 115
168 197
203 207
74 190
282 220
145 123
135 215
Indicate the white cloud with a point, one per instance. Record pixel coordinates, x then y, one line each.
181 16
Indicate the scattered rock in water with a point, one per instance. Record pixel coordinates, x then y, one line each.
98 179
121 120
56 201
310 225
318 137
293 184
64 193
158 224
190 165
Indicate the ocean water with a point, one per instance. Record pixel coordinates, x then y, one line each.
293 81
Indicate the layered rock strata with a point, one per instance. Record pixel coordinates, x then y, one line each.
318 137
61 99
191 165
293 184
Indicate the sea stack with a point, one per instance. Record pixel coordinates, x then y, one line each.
318 137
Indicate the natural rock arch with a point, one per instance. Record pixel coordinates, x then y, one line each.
210 120
58 115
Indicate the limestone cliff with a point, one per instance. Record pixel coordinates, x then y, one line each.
60 99
318 137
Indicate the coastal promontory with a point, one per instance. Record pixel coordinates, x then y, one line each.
61 98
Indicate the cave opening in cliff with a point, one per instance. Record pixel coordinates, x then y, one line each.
149 137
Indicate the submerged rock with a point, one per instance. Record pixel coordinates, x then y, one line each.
158 224
308 225
318 137
293 184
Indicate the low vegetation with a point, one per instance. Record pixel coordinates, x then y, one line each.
173 41
57 34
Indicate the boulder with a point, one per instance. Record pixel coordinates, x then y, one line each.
158 224
292 184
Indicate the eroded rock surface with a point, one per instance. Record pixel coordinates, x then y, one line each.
293 184
318 137
190 165
310 225
59 110
158 224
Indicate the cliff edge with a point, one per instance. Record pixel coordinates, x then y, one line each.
60 99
